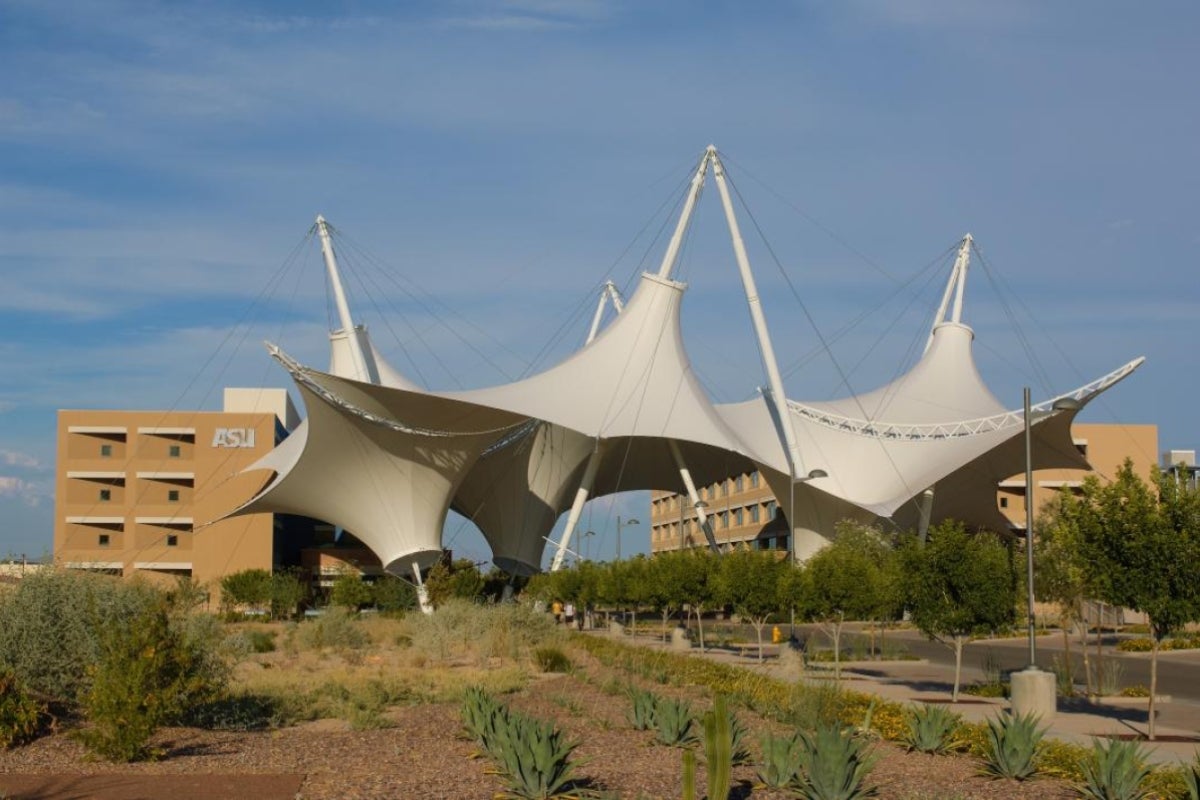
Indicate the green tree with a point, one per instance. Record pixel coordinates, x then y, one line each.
959 585
289 590
1143 548
748 580
392 594
844 581
697 585
1062 574
250 587
349 591
460 579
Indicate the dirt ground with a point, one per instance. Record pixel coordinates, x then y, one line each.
423 755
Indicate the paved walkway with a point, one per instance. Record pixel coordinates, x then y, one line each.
1077 720
150 787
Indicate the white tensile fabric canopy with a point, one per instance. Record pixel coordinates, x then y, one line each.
385 459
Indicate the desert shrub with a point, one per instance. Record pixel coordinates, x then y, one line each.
336 629
234 712
19 711
1137 690
394 595
51 623
551 659
148 674
459 628
350 592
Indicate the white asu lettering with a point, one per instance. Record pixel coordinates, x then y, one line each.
233 437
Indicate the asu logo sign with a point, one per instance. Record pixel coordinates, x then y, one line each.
233 437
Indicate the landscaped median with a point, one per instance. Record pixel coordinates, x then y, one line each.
800 703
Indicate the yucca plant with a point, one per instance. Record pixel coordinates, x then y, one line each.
486 721
1191 778
674 722
739 750
535 764
834 765
718 749
1011 746
780 760
929 728
1116 770
642 707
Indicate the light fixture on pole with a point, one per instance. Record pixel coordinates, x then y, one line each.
585 536
1032 690
621 525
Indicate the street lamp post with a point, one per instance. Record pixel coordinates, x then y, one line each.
585 536
1033 691
620 525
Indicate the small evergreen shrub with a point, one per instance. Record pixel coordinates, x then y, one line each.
1012 743
336 629
146 676
551 659
20 713
1116 770
234 712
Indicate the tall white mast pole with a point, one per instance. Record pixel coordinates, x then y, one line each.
778 398
339 298
954 287
668 262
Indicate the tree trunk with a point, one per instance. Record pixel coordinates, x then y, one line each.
1099 646
1067 657
1081 631
1153 679
959 641
666 616
871 640
700 626
837 651
758 629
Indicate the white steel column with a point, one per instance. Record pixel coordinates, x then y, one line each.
581 497
668 262
926 514
608 293
694 496
339 297
954 287
778 398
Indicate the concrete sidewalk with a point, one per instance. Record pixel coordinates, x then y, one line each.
1077 719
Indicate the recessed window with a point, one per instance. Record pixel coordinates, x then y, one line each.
105 495
754 480
172 540
741 485
754 513
172 495
781 543
106 451
1004 502
174 451
103 541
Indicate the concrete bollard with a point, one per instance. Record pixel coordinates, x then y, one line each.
680 640
1033 692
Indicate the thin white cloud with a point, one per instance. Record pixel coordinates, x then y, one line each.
28 493
14 458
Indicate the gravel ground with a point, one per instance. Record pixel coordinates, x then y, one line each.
422 755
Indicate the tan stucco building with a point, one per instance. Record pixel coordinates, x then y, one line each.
742 509
138 492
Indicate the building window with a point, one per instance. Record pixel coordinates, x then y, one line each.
739 517
172 539
781 543
103 541
1004 502
106 451
754 480
172 495
174 451
725 488
741 483
754 513
724 519
772 509
105 495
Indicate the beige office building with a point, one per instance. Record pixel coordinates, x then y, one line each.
138 492
742 510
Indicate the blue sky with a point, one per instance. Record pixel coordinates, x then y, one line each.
159 162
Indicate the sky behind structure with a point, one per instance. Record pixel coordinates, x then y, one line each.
490 162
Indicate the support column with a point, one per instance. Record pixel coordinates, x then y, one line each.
694 496
581 497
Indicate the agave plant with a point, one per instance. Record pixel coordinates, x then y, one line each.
1191 777
485 721
929 728
536 762
1012 746
780 760
1115 771
834 765
675 722
642 707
